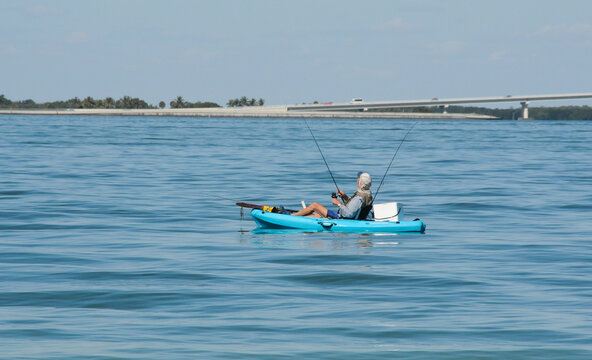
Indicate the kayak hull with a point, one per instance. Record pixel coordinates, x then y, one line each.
268 220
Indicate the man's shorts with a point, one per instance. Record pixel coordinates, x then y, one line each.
332 215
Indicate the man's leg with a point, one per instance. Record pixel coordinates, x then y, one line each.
314 207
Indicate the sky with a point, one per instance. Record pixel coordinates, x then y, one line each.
290 52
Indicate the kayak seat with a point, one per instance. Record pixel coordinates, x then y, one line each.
364 212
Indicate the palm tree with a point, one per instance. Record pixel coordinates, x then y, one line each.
109 103
178 103
125 102
89 103
4 101
161 104
74 103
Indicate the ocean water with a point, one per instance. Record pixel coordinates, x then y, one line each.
119 239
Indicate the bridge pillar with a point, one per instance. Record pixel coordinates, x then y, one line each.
524 110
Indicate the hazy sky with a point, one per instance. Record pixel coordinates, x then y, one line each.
294 51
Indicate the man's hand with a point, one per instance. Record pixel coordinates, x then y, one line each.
336 202
342 195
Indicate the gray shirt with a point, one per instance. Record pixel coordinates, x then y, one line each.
352 209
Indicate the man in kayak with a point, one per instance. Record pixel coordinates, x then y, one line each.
356 207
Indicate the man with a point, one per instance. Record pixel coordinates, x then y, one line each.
356 207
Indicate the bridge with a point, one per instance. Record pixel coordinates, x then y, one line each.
358 104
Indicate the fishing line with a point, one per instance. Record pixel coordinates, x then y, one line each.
318 147
388 168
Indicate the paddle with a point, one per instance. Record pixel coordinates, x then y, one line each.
250 206
273 209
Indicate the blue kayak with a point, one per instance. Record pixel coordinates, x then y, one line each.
269 220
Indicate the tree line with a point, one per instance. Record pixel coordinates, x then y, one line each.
244 101
125 102
180 103
538 113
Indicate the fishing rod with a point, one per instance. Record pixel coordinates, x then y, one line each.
388 168
318 147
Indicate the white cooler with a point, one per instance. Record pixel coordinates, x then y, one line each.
392 211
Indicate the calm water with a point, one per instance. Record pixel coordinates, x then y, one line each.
119 239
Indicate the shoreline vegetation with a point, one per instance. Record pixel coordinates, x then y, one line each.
569 112
125 102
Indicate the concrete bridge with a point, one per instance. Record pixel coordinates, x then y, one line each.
358 104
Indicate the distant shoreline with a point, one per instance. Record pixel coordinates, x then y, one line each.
249 112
